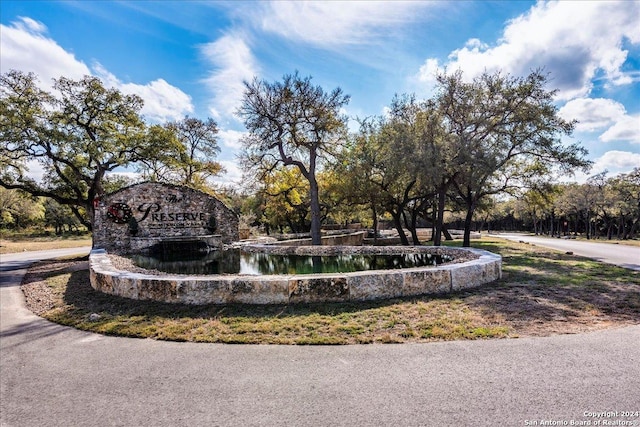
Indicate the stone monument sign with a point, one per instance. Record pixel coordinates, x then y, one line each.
140 216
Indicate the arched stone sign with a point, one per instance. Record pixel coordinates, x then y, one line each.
137 217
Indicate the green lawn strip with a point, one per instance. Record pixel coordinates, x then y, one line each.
539 286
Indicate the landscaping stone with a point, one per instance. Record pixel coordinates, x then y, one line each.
426 281
135 218
364 286
470 268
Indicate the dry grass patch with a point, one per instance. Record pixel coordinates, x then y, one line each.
542 293
41 243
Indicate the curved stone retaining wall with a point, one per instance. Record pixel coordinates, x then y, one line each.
481 267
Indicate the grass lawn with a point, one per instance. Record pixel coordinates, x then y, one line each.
542 292
10 243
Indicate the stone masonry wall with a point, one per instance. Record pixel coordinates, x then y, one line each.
479 267
148 211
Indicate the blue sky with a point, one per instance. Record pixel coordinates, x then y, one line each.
190 57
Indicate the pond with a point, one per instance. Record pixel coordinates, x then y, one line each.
235 261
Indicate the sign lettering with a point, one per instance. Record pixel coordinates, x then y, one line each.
164 220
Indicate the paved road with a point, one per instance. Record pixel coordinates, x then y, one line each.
18 260
611 253
56 376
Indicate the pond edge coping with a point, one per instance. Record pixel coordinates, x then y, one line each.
296 288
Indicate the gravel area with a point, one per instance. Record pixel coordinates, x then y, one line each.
39 297
126 264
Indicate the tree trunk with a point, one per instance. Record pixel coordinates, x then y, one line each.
624 227
315 200
315 213
398 223
588 226
375 223
434 211
411 226
466 242
446 233
632 230
442 194
619 230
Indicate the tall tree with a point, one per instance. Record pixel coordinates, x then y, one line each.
77 134
59 217
18 210
509 129
537 203
378 165
399 163
359 165
292 123
286 200
402 161
626 190
190 159
433 155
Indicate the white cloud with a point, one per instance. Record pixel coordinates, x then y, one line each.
331 24
616 162
597 114
428 71
35 170
231 138
592 113
233 175
625 129
162 102
25 47
233 64
573 41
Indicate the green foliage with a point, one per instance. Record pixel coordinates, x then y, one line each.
473 140
292 124
600 207
508 129
19 210
285 198
190 147
77 134
60 217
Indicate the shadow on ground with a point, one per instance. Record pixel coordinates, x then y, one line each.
541 287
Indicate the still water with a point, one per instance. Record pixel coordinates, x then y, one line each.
238 262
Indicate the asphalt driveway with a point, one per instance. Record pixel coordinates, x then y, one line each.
611 253
51 375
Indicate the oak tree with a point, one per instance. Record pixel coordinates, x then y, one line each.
189 159
77 134
509 129
292 123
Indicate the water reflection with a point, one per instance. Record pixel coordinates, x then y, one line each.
235 261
